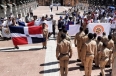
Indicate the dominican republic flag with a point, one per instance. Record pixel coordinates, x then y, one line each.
26 24
26 35
37 23
68 24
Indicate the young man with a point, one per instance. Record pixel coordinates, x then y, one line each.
89 52
45 35
78 42
103 57
63 53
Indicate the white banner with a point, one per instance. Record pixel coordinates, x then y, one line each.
73 29
99 28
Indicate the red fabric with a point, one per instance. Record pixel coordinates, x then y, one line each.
19 40
31 23
33 28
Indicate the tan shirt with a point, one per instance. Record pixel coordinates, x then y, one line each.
45 32
110 44
104 39
63 47
78 39
99 45
84 39
59 37
89 48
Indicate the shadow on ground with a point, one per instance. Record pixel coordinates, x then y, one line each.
50 71
18 50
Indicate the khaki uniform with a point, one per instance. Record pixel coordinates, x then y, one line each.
110 46
59 37
104 39
63 53
114 38
68 37
45 35
99 48
78 42
114 62
103 57
89 52
84 39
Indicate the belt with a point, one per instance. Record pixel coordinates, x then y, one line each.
64 54
89 54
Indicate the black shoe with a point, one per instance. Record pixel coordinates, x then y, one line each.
81 66
78 60
45 47
16 47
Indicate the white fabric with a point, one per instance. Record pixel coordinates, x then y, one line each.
73 29
4 23
106 27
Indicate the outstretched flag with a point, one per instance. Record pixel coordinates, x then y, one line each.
26 35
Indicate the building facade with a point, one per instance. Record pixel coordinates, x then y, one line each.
16 7
62 2
99 2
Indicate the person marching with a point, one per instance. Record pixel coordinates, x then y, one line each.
99 47
110 46
45 34
84 39
89 52
114 61
103 57
104 38
78 42
63 53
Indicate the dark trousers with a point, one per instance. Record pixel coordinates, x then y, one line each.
53 29
51 9
57 8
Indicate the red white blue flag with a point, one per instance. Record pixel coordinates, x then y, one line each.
26 24
26 35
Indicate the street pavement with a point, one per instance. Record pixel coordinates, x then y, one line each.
32 60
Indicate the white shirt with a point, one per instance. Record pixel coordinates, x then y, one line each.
113 24
51 6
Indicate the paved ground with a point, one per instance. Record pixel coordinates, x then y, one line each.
31 60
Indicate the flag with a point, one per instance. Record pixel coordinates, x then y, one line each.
99 28
37 23
26 24
26 35
69 23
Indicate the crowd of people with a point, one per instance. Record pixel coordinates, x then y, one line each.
30 19
90 47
